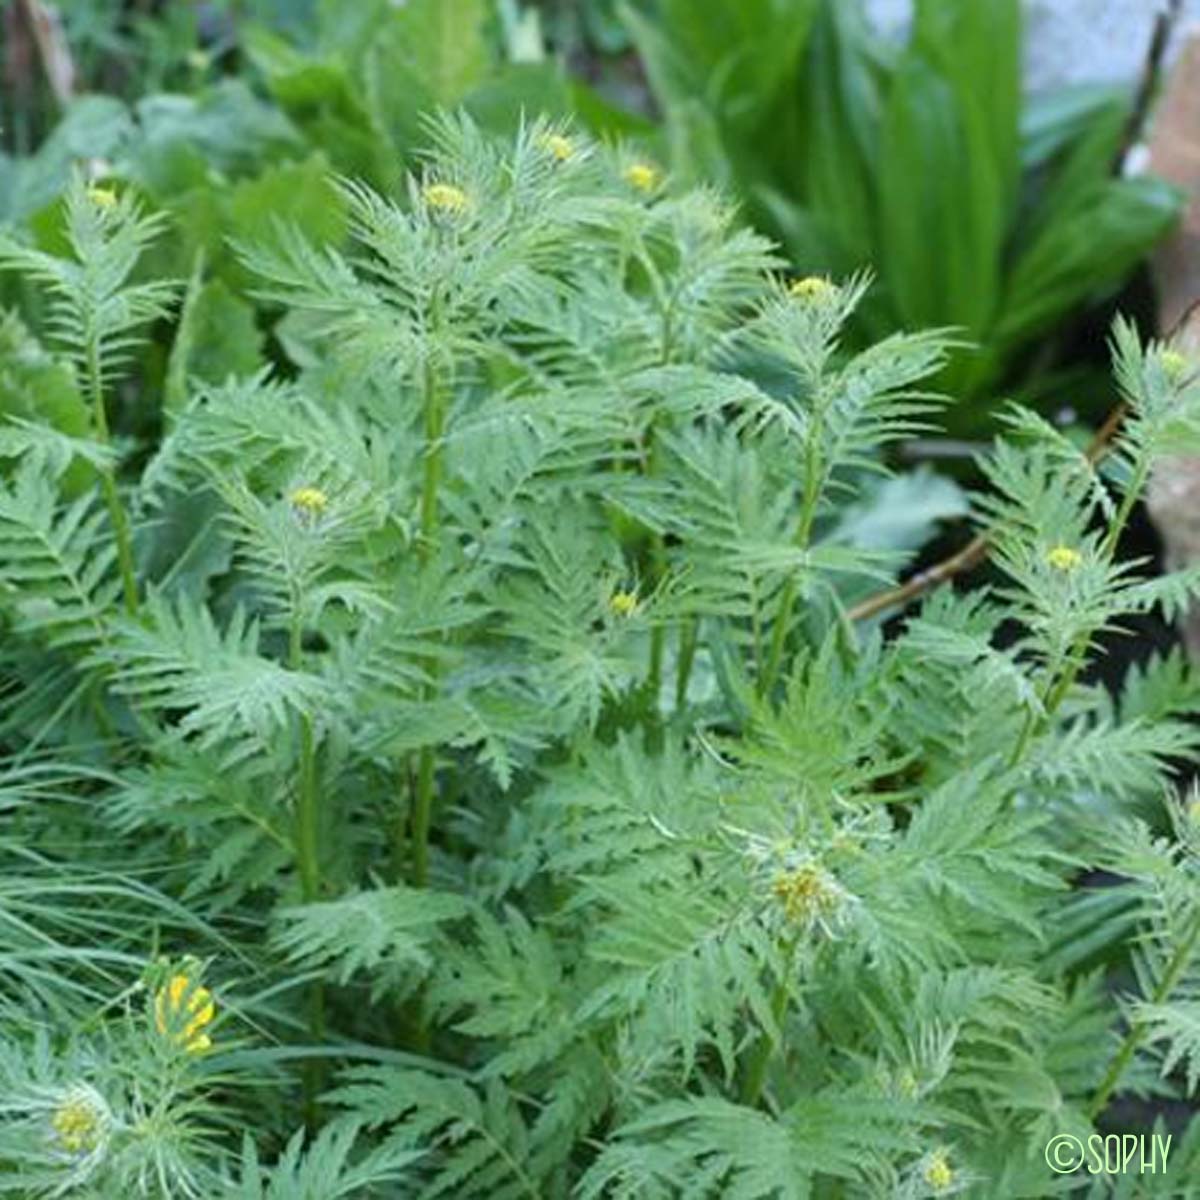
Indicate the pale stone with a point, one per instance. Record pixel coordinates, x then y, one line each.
1070 41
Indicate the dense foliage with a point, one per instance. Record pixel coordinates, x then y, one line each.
978 209
459 745
1003 216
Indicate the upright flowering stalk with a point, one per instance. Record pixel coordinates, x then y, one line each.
817 301
447 203
94 310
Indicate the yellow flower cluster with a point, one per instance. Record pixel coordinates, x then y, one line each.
78 1122
1064 558
558 146
806 894
624 604
811 287
1174 363
446 198
182 1010
102 197
310 500
643 175
938 1172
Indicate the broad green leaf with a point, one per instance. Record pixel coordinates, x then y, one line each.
831 158
901 513
1052 120
323 98
35 385
1087 167
429 54
1087 253
941 212
977 48
439 47
92 127
298 194
184 137
522 89
742 50
217 337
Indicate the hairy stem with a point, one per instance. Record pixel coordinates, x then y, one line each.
108 483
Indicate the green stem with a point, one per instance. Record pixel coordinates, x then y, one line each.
421 810
308 863
432 474
760 1059
658 556
1027 731
307 855
1137 1031
422 813
306 814
108 484
688 636
808 513
654 671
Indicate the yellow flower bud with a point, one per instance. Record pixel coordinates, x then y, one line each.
558 146
446 198
80 1121
643 175
310 500
102 197
1064 558
811 287
181 1012
1174 363
806 894
624 604
938 1173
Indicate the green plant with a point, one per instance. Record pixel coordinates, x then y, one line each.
228 155
497 784
980 211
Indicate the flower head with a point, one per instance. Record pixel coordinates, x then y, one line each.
446 198
80 1120
102 197
624 604
1064 558
558 146
643 175
938 1172
310 501
811 287
182 1009
808 894
1174 363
